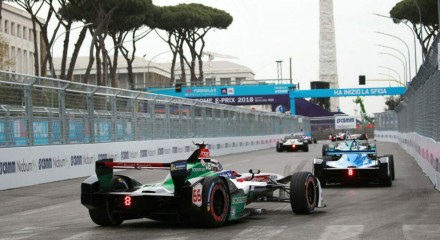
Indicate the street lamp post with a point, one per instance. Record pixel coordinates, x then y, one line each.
407 48
403 55
149 62
414 38
403 64
390 69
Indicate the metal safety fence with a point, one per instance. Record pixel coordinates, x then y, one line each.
43 111
419 110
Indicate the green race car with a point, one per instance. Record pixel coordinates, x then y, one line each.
196 191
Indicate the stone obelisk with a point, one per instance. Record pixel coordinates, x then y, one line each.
328 69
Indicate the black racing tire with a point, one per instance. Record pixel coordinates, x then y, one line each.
215 203
391 161
104 217
279 147
303 193
324 149
315 141
306 148
385 178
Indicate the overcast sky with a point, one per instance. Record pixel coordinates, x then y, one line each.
264 32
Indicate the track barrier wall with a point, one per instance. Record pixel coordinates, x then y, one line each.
43 164
425 151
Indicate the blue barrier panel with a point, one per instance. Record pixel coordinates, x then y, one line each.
102 131
41 132
56 132
2 133
76 131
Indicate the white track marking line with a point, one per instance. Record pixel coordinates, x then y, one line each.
417 232
259 232
340 232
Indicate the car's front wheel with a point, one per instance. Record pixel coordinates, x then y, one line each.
215 202
303 193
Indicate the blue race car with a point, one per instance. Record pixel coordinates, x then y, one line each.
354 165
347 146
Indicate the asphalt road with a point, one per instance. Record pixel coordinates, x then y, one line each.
410 209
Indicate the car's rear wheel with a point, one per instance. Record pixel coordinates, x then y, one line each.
104 217
215 203
385 178
279 147
303 193
391 162
306 148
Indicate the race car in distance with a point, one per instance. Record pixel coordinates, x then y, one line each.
347 135
309 139
292 143
196 190
335 150
354 165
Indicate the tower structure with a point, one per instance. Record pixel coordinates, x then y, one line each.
328 70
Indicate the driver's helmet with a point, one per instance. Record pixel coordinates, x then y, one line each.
216 165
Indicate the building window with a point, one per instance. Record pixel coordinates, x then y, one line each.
239 80
24 32
31 35
225 81
6 26
12 29
210 81
18 30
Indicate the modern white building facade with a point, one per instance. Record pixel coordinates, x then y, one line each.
16 28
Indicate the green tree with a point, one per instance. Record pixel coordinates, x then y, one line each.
392 102
112 18
5 61
189 23
128 20
427 28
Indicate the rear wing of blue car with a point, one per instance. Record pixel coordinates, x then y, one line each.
340 152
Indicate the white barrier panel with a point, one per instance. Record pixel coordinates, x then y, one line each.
26 166
424 150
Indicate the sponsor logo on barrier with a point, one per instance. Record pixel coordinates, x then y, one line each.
88 160
134 154
76 160
144 153
187 148
24 166
7 168
152 153
160 151
44 163
125 155
102 156
345 122
58 163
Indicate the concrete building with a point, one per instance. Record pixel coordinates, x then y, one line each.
16 28
149 74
